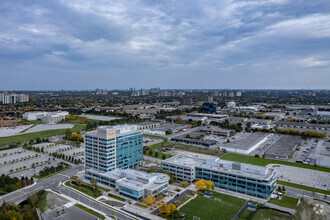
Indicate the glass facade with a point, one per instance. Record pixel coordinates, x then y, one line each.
108 154
242 184
129 150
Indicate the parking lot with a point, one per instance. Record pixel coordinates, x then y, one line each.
42 127
304 152
61 148
308 177
99 117
150 141
18 162
10 131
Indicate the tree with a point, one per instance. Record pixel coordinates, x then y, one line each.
168 210
200 185
209 185
204 185
184 183
94 183
148 200
169 132
164 157
12 215
156 154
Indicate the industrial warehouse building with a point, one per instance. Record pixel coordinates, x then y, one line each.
243 178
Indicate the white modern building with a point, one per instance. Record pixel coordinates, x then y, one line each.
132 183
243 178
46 117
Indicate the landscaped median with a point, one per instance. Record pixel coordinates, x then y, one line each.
84 188
91 198
41 134
308 188
90 211
264 162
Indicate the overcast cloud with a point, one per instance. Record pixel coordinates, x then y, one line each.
88 44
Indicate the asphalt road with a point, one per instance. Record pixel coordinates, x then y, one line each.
47 183
53 182
92 203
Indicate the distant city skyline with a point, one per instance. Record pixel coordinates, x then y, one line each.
81 45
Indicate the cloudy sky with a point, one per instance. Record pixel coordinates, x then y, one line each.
88 44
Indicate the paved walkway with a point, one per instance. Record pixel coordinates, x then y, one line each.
280 208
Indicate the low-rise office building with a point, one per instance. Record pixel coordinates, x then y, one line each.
243 178
46 117
131 183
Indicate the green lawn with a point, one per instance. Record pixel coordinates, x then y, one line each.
271 214
154 136
90 211
41 134
308 188
209 208
264 162
183 200
186 147
42 202
286 201
116 197
160 155
245 215
85 188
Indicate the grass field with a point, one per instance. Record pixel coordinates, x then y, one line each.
308 188
154 136
286 201
271 214
264 162
245 215
209 208
41 134
186 147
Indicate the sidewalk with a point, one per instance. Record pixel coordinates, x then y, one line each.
281 208
91 198
77 202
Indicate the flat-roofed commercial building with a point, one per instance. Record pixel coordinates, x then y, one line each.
131 183
243 178
284 148
46 117
112 147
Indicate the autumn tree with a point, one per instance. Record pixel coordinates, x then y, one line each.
204 185
167 210
148 200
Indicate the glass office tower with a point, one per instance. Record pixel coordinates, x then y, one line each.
112 147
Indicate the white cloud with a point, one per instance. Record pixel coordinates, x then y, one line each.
312 62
